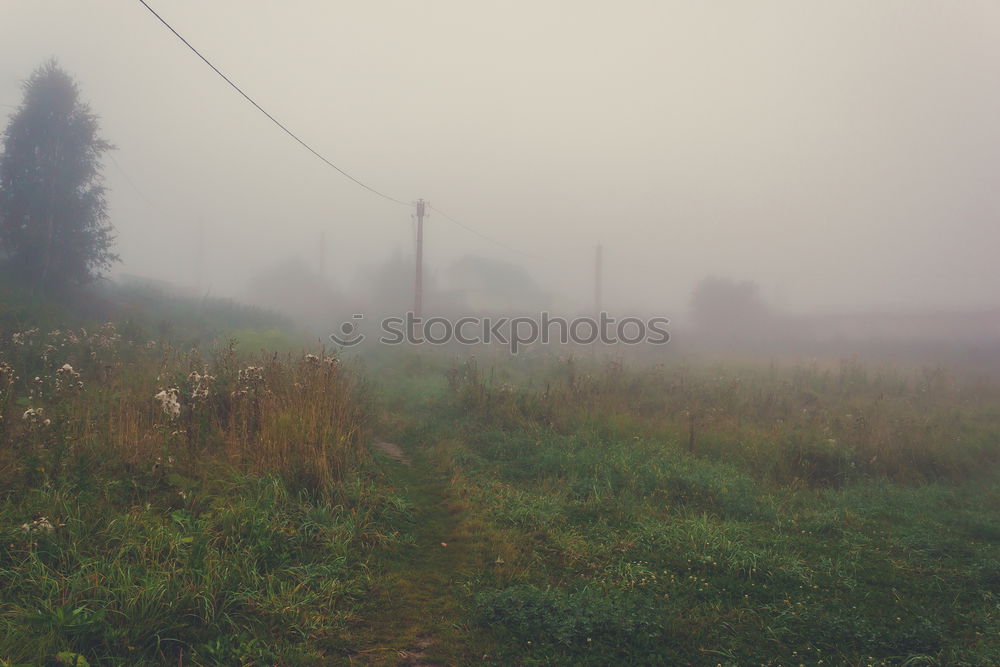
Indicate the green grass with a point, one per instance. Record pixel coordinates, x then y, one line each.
235 570
747 513
237 527
612 540
419 610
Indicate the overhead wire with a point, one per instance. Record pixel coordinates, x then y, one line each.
480 234
316 153
264 111
128 179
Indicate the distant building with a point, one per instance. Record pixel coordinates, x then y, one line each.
493 286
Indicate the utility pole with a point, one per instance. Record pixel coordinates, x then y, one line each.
322 255
201 254
597 280
418 297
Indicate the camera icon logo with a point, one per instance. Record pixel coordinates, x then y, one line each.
348 335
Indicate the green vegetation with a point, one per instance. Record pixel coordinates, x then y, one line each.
144 312
167 505
725 515
216 505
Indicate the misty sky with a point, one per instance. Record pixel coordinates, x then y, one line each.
844 155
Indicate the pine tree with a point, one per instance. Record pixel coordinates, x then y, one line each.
54 227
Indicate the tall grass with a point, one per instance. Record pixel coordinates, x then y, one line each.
740 514
164 505
74 396
818 425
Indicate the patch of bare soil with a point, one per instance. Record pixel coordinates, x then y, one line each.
393 451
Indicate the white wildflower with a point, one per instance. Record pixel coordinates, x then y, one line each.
22 337
247 379
199 383
169 402
67 377
39 525
36 417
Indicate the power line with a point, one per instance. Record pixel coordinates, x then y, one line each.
480 234
269 116
319 155
128 179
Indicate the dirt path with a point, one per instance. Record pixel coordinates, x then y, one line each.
393 451
418 619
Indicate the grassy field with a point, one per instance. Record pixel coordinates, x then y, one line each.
218 505
161 505
738 515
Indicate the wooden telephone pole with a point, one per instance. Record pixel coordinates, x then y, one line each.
597 280
418 297
201 256
322 255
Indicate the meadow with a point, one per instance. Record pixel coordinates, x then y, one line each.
164 505
215 503
738 514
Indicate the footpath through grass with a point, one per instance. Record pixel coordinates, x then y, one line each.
419 614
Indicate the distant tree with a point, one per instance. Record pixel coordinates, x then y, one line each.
54 228
721 305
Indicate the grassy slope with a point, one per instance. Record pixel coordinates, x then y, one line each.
147 313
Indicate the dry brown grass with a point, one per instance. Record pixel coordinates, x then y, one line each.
143 405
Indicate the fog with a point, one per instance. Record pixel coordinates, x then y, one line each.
843 156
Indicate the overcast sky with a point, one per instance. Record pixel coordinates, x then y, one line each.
844 155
